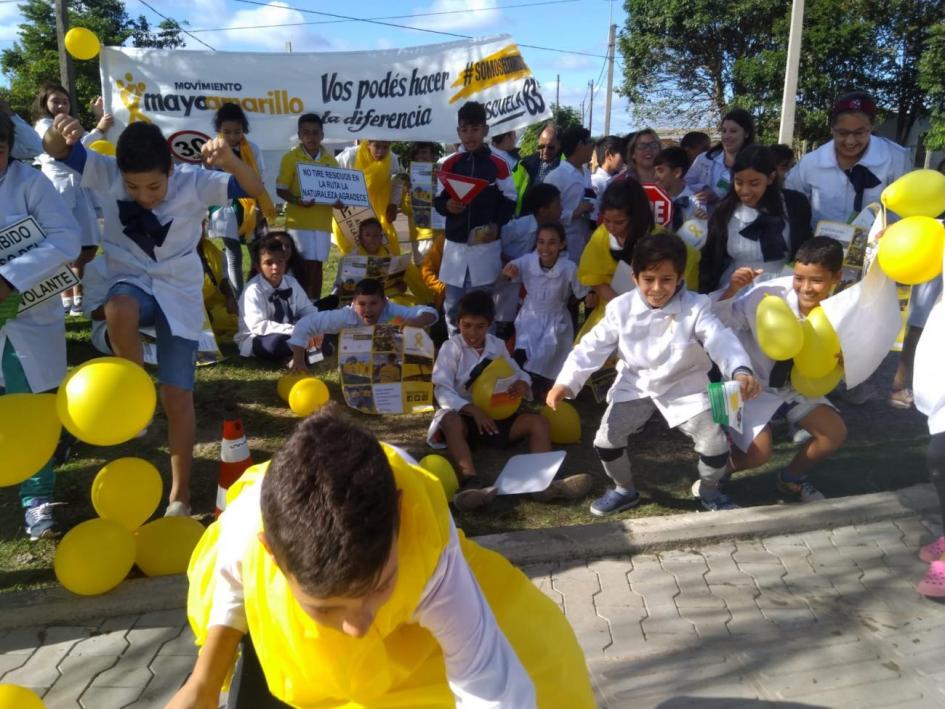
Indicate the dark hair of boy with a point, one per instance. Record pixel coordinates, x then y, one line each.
538 196
269 243
472 112
369 286
608 145
782 153
821 251
416 147
628 197
654 249
370 221
673 158
310 118
142 147
7 132
476 304
556 228
695 139
230 113
330 506
572 138
741 118
40 108
499 137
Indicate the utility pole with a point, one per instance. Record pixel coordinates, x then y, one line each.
66 68
288 47
558 92
590 119
611 47
789 98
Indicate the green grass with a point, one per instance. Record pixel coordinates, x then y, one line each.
885 451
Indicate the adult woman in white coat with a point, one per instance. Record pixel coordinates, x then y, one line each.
710 175
52 100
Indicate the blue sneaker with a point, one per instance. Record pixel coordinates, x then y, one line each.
718 502
39 520
613 502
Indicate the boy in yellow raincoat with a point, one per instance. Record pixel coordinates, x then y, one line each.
341 562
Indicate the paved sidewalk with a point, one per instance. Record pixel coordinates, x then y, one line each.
820 619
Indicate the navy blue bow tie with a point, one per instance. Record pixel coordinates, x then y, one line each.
862 179
142 227
679 204
768 230
280 303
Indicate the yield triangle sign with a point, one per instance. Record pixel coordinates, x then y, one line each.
461 188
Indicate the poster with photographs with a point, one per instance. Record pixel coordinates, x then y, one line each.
855 240
386 369
389 270
348 219
423 187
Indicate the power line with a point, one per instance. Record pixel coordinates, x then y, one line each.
177 24
348 18
388 17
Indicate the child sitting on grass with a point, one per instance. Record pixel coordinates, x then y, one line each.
459 425
662 334
271 304
338 569
817 269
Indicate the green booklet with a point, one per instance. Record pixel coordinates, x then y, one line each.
725 398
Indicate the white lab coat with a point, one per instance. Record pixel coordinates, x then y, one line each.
661 353
928 382
830 192
572 183
454 362
66 181
543 326
257 313
710 173
223 222
39 334
175 278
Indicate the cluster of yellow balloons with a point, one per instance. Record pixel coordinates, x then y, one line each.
95 556
82 43
500 406
912 249
303 393
13 696
812 344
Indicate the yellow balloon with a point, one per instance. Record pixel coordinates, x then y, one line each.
94 557
565 423
777 328
814 387
164 546
443 469
106 401
307 396
13 696
499 406
818 356
285 384
29 434
82 43
104 147
911 250
127 490
920 193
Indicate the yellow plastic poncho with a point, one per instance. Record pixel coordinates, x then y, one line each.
379 184
597 267
223 322
398 664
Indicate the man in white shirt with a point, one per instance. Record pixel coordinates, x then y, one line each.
574 182
610 162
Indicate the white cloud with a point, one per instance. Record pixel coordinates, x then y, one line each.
464 15
268 39
10 20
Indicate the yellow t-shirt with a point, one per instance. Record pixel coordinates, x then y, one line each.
296 217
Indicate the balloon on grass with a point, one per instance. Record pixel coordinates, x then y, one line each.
82 43
777 328
94 557
307 396
128 491
29 434
564 423
106 401
498 405
286 382
911 250
444 471
164 546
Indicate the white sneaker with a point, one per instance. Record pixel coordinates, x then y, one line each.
177 509
66 305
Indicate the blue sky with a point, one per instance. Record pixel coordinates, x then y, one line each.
579 27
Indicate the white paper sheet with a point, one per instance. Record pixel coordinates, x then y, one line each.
530 472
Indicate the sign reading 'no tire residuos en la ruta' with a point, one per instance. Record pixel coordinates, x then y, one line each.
399 94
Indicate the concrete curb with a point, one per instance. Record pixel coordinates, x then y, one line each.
534 546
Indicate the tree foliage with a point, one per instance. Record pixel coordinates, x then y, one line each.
34 58
932 81
692 59
563 116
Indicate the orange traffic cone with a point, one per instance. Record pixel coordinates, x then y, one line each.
234 457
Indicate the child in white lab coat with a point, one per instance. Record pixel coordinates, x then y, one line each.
663 336
33 344
153 218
